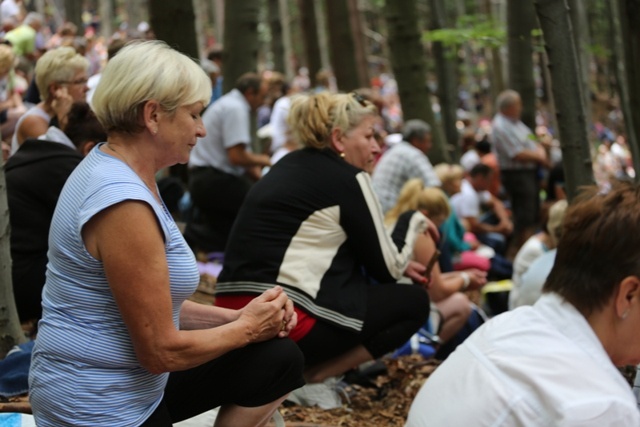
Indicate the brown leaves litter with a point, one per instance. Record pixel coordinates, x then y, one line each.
385 405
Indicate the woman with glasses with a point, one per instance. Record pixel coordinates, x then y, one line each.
119 343
314 226
58 71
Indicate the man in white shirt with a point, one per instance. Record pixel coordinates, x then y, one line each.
469 203
222 166
554 363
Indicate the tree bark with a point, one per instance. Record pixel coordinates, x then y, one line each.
73 12
174 22
626 33
310 38
567 93
409 68
10 330
106 18
287 43
447 78
218 12
520 23
342 48
581 35
357 26
277 46
240 40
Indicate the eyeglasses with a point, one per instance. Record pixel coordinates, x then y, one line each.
75 82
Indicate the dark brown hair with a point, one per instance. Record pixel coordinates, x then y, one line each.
598 248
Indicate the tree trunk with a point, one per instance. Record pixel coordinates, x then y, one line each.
134 12
218 12
578 15
275 24
520 23
323 38
287 43
409 68
310 38
73 12
447 77
567 93
342 48
106 18
626 33
494 60
10 331
359 42
174 22
240 40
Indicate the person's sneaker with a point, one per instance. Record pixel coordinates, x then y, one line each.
325 395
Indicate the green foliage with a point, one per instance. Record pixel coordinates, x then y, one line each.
470 28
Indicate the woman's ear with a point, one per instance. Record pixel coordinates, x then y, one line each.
628 296
336 140
151 115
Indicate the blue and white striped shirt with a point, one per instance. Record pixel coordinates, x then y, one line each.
84 369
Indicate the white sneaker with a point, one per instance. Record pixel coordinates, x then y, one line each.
325 394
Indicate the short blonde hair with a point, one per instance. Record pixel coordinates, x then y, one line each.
140 72
414 196
58 65
448 173
7 59
312 118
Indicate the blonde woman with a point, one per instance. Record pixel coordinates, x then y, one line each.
60 70
446 288
314 226
119 343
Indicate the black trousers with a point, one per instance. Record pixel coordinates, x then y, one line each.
394 313
250 376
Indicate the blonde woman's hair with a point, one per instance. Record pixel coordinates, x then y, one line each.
7 58
57 66
415 196
448 173
144 71
312 118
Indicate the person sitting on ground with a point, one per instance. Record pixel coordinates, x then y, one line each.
119 344
11 105
35 176
313 225
405 160
56 69
491 229
541 242
446 289
554 364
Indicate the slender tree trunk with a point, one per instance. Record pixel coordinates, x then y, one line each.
359 42
577 9
219 20
240 40
134 12
468 52
174 22
494 60
520 23
310 36
409 68
323 36
342 48
203 24
447 77
567 92
287 43
626 33
73 12
106 18
10 331
275 24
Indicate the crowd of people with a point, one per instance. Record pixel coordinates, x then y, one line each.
340 242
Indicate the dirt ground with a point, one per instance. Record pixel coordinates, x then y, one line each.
385 405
